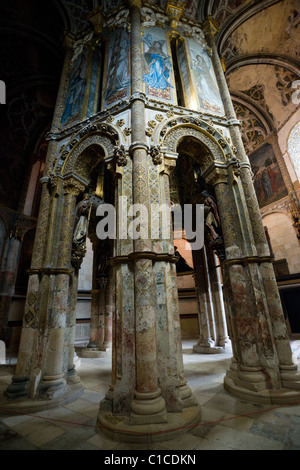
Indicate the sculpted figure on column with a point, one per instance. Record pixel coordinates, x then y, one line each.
82 220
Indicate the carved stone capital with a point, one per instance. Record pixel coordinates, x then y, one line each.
217 176
53 184
174 10
169 163
73 186
210 27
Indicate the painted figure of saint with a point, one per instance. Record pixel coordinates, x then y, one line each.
76 89
266 184
206 86
159 65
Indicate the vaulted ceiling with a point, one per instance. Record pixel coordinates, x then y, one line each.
260 45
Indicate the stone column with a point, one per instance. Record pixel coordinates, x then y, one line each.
72 376
102 283
53 382
253 270
147 356
148 404
92 349
109 309
207 343
41 276
222 338
8 275
29 337
176 392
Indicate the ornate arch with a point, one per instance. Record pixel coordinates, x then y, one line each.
176 129
81 153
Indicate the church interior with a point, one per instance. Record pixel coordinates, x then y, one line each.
146 343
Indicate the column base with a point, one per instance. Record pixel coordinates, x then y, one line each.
52 388
73 377
19 388
290 376
283 396
121 428
90 352
148 408
33 405
209 349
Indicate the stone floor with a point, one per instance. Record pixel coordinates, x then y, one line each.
227 423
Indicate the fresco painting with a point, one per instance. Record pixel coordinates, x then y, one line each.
118 74
268 182
76 90
157 67
207 89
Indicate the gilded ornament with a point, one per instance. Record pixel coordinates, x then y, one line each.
149 131
211 130
120 122
127 131
152 124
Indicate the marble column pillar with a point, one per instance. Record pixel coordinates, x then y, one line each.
147 354
109 309
72 376
222 339
94 346
207 340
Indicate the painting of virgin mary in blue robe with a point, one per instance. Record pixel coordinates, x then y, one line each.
159 65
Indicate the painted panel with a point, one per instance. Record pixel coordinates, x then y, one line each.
157 74
205 80
268 182
76 90
118 68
